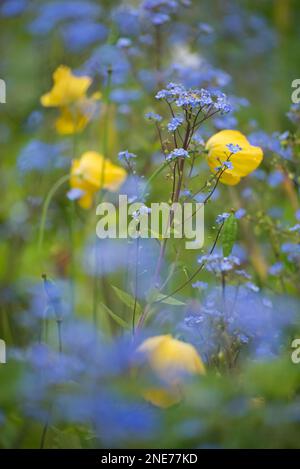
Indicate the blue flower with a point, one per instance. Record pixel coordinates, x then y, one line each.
205 28
50 14
124 96
218 264
10 8
272 143
225 122
34 121
108 57
234 148
160 11
127 20
195 100
200 285
125 155
175 123
81 34
39 156
124 42
152 116
178 153
275 178
75 194
295 228
240 213
294 114
276 268
198 140
222 217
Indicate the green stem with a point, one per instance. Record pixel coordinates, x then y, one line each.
105 151
72 257
47 202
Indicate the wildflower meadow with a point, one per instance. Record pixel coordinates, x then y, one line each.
150 224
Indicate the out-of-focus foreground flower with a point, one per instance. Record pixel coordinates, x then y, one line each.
171 360
69 95
93 172
232 156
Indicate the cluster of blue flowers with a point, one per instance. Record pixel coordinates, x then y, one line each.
178 153
160 11
194 100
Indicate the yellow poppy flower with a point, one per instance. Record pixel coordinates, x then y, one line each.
91 173
69 94
74 119
67 88
242 163
170 360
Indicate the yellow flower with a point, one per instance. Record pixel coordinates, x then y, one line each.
243 162
91 173
67 88
74 119
170 360
69 95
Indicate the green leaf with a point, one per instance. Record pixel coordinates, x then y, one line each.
155 295
170 301
229 235
120 321
127 299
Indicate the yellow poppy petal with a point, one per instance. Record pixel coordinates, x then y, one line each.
170 359
162 397
86 201
70 122
224 137
67 88
92 171
244 161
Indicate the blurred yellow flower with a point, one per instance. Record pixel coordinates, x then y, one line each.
232 152
69 94
74 119
93 172
67 88
170 360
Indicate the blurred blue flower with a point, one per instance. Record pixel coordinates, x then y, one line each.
119 421
39 156
127 20
294 114
50 14
126 155
124 96
200 285
219 264
10 8
225 122
240 213
271 143
275 178
81 34
34 121
124 42
152 116
108 58
276 268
